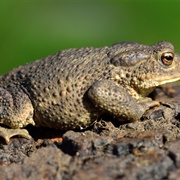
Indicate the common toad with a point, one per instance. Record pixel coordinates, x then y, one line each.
72 88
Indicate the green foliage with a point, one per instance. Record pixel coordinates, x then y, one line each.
33 29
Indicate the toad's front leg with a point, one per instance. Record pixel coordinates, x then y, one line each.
116 101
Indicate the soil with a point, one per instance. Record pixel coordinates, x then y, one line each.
147 149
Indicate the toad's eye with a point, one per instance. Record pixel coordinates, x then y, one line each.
167 58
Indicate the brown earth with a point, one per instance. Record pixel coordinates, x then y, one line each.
148 149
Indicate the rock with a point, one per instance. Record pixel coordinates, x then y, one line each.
147 149
45 163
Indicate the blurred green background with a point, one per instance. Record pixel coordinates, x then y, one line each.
32 29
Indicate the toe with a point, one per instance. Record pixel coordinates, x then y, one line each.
8 133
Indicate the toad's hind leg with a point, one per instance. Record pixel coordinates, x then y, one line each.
16 112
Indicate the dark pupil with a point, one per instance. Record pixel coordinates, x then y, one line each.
168 57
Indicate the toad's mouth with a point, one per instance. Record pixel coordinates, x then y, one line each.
157 82
165 81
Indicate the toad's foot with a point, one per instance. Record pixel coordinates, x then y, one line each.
147 103
8 133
